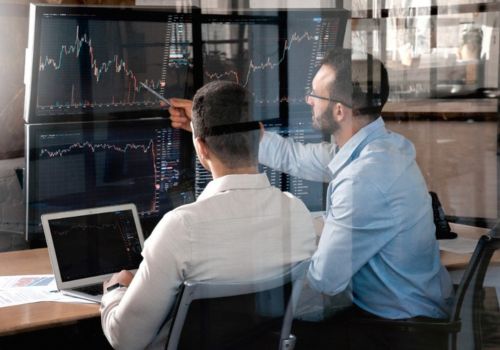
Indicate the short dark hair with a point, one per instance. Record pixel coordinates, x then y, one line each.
224 103
361 84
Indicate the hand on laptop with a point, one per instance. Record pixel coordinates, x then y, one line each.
123 278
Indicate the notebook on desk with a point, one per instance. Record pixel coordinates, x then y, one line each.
87 246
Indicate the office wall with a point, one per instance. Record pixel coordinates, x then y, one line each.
13 38
12 212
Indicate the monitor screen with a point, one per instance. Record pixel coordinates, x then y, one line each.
90 63
87 71
275 54
84 165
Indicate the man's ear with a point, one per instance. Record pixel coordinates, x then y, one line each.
338 112
201 148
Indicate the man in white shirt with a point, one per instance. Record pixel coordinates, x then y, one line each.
239 229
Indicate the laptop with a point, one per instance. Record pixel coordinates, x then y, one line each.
87 246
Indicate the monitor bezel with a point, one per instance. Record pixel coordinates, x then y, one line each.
31 76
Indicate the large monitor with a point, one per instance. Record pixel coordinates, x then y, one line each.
94 136
275 54
88 63
84 165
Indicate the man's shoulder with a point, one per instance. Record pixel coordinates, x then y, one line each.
381 164
222 204
388 155
296 203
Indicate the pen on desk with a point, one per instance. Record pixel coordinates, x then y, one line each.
160 97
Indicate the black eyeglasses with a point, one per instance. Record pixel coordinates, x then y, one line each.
309 93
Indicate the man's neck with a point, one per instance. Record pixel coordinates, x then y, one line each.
348 130
219 171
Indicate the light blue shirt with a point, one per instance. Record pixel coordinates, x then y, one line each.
379 234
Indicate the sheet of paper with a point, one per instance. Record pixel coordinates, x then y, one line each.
40 281
18 296
458 245
25 289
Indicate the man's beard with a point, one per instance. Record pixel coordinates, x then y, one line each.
325 122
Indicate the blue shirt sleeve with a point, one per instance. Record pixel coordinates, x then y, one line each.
307 161
357 226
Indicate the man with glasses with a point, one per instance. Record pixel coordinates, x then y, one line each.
378 235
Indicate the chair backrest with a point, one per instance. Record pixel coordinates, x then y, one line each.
210 315
468 299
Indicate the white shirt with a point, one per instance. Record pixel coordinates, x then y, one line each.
239 229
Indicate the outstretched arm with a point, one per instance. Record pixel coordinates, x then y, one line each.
307 161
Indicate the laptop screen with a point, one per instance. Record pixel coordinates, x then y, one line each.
95 244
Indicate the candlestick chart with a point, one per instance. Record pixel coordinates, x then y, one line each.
91 66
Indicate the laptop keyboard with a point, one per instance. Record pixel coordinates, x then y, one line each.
94 289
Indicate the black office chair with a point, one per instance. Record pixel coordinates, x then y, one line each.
463 327
252 315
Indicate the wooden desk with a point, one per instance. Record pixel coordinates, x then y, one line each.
29 317
454 261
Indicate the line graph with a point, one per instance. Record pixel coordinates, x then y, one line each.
116 64
84 227
100 66
133 162
143 162
104 165
84 165
93 147
268 63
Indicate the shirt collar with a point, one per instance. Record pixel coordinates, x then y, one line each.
234 182
351 148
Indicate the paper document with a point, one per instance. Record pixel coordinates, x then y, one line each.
18 296
42 281
24 289
458 245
